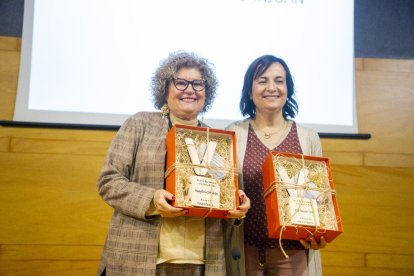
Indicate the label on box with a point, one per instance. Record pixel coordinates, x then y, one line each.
204 192
303 211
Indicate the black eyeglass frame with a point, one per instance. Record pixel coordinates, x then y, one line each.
188 83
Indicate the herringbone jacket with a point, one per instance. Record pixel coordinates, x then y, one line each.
132 172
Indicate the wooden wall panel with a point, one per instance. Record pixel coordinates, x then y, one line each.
389 160
8 43
357 271
50 252
57 134
49 267
345 158
9 69
8 83
58 146
397 261
385 103
4 144
54 222
386 65
344 259
376 206
9 66
51 198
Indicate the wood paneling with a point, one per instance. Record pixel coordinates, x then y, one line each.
49 267
345 158
376 206
397 261
386 65
50 252
389 160
344 259
8 43
54 223
58 146
9 67
57 134
51 198
359 271
4 144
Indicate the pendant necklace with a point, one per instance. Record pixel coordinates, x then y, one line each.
268 135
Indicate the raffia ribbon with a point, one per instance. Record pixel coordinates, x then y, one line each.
228 170
305 186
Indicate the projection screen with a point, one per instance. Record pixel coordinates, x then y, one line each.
91 61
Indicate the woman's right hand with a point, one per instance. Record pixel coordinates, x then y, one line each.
164 208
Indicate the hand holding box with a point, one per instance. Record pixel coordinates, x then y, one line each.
300 197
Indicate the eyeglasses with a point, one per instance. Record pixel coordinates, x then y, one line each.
182 84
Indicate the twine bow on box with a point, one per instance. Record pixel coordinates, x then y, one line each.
307 180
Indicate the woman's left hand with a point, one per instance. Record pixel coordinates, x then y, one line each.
244 206
311 243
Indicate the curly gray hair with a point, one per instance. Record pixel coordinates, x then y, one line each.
171 65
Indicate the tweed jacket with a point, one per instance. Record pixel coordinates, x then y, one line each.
132 172
311 145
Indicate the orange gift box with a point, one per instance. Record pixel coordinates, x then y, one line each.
201 170
299 189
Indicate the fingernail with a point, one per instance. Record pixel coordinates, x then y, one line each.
238 208
173 198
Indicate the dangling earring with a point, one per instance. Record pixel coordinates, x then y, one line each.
165 110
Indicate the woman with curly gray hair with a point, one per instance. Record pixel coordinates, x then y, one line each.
147 235
166 73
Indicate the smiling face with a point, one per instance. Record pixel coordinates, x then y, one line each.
186 104
269 90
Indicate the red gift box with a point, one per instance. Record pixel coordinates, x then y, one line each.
218 174
309 179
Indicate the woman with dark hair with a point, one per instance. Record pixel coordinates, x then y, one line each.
268 99
147 235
